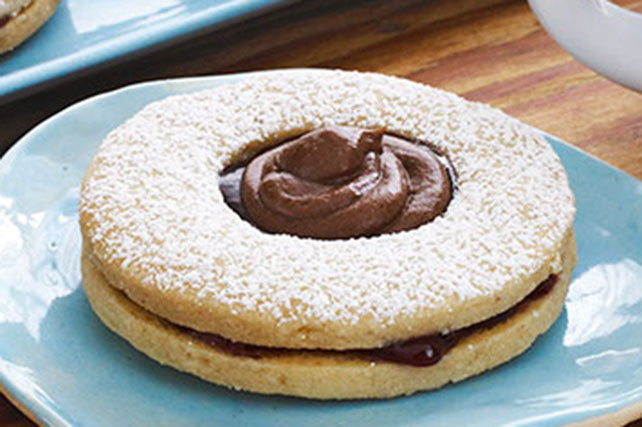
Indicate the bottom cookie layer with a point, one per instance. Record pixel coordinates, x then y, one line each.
316 374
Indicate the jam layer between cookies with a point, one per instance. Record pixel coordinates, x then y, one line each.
420 351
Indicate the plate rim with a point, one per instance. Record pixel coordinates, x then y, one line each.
40 75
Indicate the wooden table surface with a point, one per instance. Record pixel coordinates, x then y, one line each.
493 51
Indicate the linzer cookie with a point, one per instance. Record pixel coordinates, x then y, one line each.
327 234
19 19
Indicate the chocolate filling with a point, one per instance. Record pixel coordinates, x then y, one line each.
425 350
340 182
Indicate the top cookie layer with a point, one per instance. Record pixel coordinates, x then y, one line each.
154 220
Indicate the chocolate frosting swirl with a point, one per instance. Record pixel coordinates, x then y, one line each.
341 182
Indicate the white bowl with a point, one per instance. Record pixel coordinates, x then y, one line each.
599 34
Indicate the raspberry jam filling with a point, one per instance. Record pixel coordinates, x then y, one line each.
4 20
425 350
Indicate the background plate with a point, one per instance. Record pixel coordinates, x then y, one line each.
85 33
61 364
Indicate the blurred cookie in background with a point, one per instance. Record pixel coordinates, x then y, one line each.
19 19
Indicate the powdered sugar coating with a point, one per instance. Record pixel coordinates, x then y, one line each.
151 205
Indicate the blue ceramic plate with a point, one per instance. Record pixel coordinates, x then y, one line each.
62 365
85 33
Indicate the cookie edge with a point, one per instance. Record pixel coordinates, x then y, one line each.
322 376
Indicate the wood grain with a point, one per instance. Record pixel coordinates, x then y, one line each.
492 51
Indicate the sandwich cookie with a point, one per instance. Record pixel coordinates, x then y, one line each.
327 234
